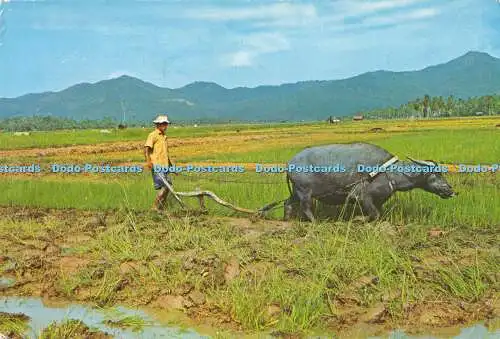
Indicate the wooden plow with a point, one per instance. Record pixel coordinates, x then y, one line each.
201 194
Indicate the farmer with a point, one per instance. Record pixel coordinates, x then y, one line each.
156 153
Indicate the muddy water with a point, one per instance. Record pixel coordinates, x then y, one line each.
478 331
42 315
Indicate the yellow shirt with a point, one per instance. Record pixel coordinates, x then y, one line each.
158 142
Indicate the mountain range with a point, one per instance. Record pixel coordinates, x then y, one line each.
472 74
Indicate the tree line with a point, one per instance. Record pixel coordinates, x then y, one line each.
426 107
50 123
438 106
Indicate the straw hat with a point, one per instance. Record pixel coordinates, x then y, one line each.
160 119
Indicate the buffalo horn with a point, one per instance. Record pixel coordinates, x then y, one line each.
422 162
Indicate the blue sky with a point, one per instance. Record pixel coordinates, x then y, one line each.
52 44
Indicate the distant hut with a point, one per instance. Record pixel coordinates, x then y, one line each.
479 114
357 117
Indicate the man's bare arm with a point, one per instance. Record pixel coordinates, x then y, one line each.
147 155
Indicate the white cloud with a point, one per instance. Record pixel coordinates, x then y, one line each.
343 9
394 19
2 24
254 45
292 15
279 14
360 8
240 59
377 18
266 42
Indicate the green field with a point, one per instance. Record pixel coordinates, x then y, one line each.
453 145
428 263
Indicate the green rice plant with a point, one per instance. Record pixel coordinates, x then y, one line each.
13 324
466 283
133 322
67 329
121 244
104 293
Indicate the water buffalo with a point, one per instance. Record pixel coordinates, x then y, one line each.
346 182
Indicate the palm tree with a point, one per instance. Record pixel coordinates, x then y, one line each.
450 103
488 103
426 105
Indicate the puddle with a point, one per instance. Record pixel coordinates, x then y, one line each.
41 316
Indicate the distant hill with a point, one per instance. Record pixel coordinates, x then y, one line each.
472 74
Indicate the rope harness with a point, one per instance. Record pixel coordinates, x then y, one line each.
371 176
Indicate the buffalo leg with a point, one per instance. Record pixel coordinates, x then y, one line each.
290 208
370 208
306 204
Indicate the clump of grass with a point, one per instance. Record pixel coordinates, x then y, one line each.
247 304
105 292
303 305
122 244
13 325
67 284
465 284
133 322
69 329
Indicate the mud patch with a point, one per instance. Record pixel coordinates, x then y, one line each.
70 265
231 269
172 302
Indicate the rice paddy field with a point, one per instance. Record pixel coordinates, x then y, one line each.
428 266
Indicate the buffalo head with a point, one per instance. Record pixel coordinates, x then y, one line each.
434 182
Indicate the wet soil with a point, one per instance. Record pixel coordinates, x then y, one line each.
51 247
